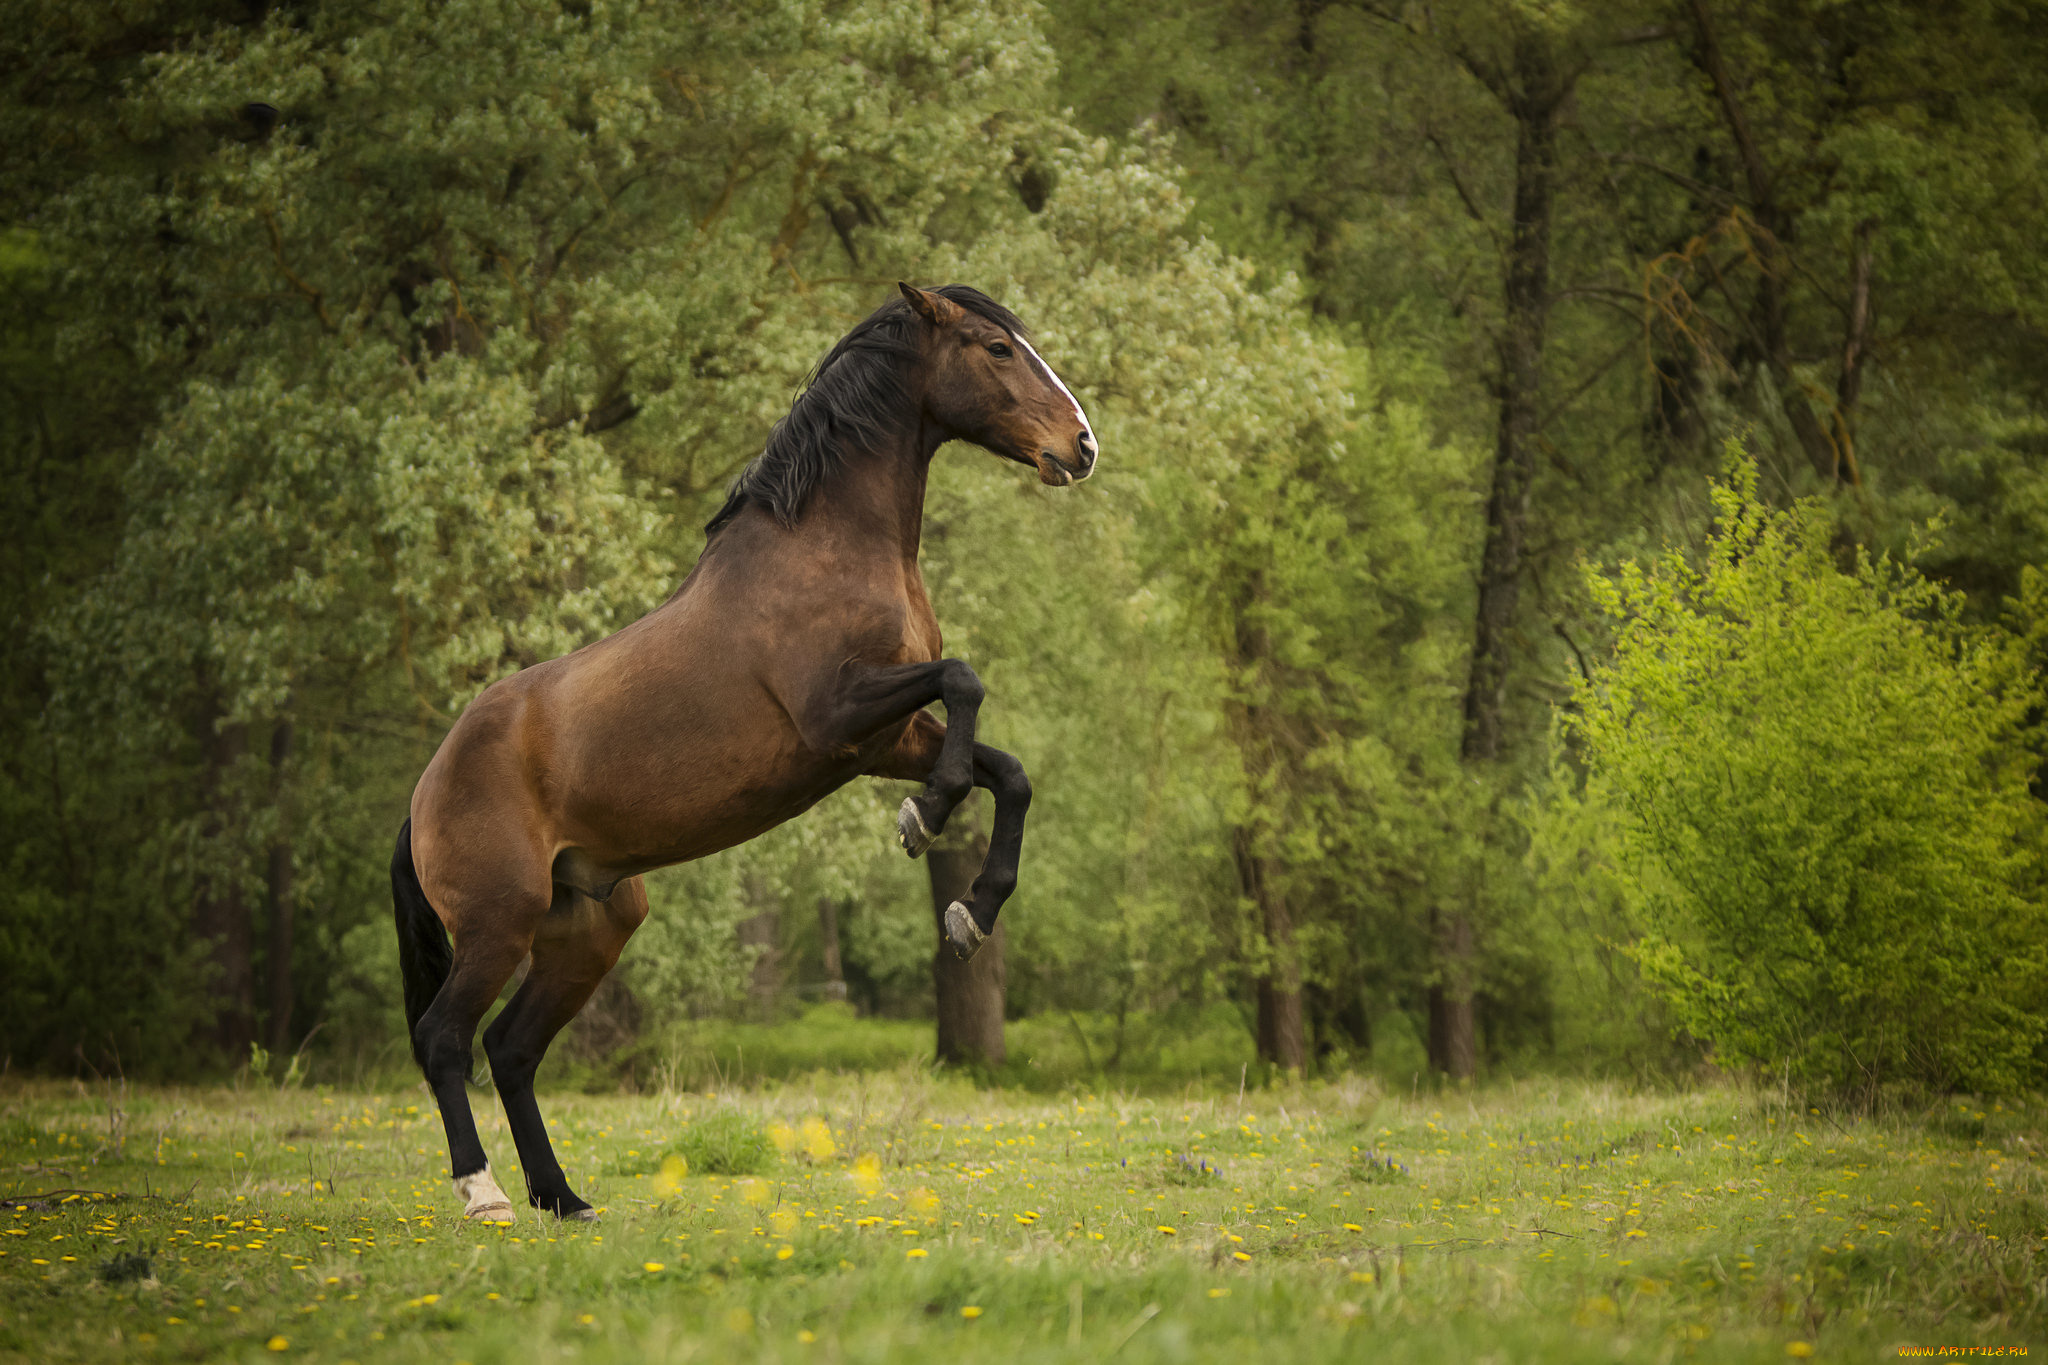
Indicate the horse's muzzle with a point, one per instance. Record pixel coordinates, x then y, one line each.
1058 473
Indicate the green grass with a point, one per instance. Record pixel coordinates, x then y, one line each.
903 1217
1052 1051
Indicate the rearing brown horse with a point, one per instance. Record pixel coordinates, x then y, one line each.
800 653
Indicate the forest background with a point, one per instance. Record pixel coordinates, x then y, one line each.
1561 590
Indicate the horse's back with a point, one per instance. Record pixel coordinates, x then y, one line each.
666 741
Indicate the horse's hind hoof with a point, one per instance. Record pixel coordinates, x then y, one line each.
962 932
582 1216
910 830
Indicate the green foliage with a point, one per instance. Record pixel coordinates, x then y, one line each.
725 1142
317 421
1832 847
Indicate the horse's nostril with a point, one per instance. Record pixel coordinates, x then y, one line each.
1087 444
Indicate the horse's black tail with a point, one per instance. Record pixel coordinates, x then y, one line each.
424 955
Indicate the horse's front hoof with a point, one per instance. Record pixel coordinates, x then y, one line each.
482 1200
962 932
566 1207
910 830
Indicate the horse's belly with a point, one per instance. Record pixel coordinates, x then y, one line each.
680 816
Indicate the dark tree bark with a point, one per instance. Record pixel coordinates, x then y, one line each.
1524 329
1832 461
828 938
1855 348
279 907
970 994
1453 1031
1534 94
763 930
1281 1038
220 914
1263 743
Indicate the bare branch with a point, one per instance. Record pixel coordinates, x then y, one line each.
314 296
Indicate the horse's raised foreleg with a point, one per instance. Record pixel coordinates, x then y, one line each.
868 699
576 945
920 749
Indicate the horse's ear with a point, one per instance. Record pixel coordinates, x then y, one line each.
936 309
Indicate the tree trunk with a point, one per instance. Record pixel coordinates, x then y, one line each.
1262 744
279 907
1534 101
220 914
1524 328
828 938
1776 267
970 994
1453 1032
763 930
1281 1039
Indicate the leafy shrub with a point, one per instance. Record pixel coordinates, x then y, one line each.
725 1142
1828 836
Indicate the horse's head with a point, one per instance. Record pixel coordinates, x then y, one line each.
986 385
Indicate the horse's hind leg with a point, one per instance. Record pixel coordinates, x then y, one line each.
577 944
482 966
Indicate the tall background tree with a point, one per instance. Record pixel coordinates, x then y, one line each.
356 354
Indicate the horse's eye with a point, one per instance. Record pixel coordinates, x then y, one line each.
999 350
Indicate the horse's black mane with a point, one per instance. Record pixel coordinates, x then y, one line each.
856 397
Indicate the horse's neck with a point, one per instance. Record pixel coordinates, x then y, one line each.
877 497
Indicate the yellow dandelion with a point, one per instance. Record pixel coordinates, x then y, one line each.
785 1253
867 1173
278 1344
1219 1293
970 1311
1353 1227
817 1139
653 1267
1799 1350
1170 1232
915 1253
1241 1255
1361 1277
586 1318
668 1181
807 1336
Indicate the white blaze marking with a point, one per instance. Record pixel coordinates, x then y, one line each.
1069 393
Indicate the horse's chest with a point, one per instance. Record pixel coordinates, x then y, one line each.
922 641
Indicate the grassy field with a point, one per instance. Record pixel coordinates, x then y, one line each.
902 1216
